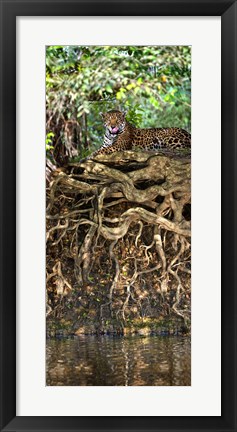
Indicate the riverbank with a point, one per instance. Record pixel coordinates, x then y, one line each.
118 246
143 327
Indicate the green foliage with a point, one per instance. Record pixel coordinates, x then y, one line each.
49 141
152 83
134 113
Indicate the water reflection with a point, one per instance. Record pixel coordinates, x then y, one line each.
114 361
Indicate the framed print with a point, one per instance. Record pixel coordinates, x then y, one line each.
120 345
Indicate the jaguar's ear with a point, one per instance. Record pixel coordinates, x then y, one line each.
101 114
124 113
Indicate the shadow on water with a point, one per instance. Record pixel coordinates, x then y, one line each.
118 361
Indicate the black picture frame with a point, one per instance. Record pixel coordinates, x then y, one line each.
227 9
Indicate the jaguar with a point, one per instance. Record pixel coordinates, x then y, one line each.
121 135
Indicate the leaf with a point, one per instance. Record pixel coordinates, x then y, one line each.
49 147
154 102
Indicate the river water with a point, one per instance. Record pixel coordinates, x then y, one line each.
119 361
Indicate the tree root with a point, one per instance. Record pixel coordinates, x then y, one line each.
129 211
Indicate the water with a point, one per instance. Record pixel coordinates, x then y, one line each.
119 361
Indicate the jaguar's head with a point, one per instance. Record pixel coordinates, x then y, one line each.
114 121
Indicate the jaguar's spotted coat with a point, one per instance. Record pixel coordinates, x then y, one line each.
121 135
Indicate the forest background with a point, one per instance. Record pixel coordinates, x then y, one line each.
152 83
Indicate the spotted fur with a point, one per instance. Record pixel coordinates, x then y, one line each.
121 135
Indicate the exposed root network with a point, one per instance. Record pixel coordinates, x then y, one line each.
118 237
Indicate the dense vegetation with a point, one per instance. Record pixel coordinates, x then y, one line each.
152 83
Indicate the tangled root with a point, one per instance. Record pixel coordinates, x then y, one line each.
118 236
